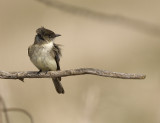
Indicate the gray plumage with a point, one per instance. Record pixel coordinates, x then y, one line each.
45 54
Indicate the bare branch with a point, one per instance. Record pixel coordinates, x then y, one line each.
72 72
4 109
1 108
76 10
21 111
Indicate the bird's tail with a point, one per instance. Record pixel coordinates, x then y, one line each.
58 85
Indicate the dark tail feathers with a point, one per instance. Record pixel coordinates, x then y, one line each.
58 85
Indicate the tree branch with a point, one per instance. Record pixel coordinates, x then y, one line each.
77 10
4 109
72 72
21 111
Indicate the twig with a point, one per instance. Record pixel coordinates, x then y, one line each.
4 109
76 10
20 110
72 72
1 108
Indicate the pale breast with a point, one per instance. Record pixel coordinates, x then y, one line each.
41 57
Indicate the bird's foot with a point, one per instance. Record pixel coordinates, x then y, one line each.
39 71
46 72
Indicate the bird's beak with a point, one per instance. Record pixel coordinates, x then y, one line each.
57 35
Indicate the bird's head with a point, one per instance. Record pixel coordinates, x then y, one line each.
45 35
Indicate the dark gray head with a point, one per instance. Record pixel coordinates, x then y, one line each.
45 35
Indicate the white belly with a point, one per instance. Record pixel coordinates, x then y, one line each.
43 60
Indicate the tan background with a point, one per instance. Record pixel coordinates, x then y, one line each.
87 42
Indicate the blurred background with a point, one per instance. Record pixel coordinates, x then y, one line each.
114 35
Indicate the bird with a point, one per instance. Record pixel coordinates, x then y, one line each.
45 54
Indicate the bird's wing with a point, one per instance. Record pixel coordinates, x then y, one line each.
30 52
57 53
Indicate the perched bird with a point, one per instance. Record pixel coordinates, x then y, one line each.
45 54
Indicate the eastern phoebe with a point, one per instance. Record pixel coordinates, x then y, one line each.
45 54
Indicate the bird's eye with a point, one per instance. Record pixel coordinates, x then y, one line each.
50 36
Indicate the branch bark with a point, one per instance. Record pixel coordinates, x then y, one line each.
72 72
